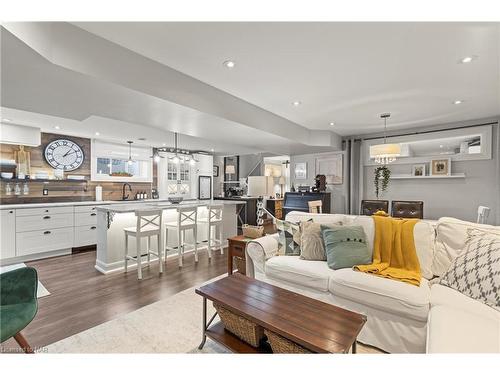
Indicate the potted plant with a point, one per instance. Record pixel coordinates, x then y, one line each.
383 174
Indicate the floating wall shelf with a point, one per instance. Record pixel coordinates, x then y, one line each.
408 176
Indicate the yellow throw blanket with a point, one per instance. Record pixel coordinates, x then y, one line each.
394 253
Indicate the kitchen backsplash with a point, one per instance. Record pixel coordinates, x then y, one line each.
62 190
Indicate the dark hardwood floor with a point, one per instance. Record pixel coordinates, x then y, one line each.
81 297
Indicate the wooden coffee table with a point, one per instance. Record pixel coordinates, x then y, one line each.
315 325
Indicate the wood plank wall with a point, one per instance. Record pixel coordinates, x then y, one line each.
67 190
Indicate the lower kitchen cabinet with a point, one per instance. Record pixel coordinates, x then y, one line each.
8 234
41 241
85 235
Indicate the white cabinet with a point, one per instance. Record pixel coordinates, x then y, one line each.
41 241
8 234
85 235
85 218
42 222
20 135
85 226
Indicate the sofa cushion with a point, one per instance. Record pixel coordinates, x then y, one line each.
311 240
443 296
309 273
450 241
298 216
380 293
345 246
289 238
476 271
458 331
424 235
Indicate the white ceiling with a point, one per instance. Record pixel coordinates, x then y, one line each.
348 73
39 93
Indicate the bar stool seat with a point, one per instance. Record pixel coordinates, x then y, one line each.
149 224
214 222
148 230
187 220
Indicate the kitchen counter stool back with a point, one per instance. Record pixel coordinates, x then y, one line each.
148 225
187 220
214 222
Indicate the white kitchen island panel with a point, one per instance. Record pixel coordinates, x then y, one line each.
112 219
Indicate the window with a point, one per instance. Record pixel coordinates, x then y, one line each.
118 168
110 163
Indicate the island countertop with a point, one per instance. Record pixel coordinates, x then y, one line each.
165 204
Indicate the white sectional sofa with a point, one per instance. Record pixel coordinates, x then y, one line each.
398 313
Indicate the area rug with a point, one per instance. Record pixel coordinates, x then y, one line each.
41 290
172 325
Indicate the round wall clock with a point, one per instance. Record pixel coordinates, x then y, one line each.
64 154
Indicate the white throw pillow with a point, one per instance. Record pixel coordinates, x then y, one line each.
476 271
451 235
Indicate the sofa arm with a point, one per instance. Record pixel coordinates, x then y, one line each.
258 251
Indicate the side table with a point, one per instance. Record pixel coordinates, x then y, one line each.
236 248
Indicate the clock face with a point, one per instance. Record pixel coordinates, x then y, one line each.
64 154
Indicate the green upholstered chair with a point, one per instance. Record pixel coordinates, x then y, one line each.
18 304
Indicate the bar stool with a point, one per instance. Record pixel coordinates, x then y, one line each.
187 219
149 224
214 221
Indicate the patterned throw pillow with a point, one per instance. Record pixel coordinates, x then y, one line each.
476 271
311 240
289 238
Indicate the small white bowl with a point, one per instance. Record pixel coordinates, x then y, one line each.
7 175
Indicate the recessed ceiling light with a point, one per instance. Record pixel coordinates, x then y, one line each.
332 123
296 103
458 102
97 133
229 64
440 146
164 144
467 59
57 127
212 150
7 120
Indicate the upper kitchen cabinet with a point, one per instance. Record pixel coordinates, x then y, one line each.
121 163
20 135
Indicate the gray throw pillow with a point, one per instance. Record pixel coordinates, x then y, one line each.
476 271
345 246
311 240
289 238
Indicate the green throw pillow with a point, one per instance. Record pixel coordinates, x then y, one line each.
289 238
345 246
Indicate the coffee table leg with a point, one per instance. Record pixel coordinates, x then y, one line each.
204 329
354 347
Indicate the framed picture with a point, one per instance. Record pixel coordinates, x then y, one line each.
441 167
300 171
418 170
216 171
332 167
204 187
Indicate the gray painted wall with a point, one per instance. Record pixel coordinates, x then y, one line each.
458 198
338 192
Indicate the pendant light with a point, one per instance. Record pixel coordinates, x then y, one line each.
387 152
130 161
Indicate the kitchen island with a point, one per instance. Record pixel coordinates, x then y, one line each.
113 218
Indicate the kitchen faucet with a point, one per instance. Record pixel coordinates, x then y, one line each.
125 197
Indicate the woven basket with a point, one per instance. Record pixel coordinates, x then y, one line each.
252 231
281 345
240 265
249 332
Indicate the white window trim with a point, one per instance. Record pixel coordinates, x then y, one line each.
139 153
